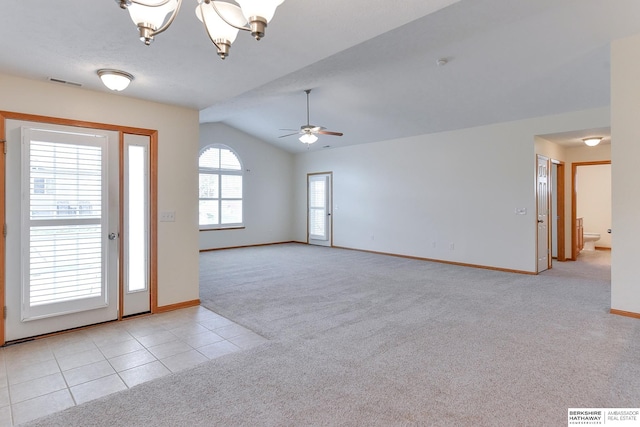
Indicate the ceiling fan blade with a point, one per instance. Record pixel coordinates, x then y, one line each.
290 130
289 134
326 132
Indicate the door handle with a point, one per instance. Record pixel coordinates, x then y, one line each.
112 236
540 221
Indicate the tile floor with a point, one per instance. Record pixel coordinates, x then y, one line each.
44 376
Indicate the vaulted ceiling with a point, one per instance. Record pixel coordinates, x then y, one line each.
372 64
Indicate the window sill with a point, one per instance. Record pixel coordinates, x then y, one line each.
239 227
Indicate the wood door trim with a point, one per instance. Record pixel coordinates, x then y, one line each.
153 224
2 223
574 201
560 233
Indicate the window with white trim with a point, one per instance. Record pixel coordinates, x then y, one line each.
220 188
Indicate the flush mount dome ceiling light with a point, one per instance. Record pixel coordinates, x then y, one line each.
115 79
222 20
592 142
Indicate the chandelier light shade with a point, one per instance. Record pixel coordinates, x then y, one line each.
259 13
115 79
592 142
150 16
221 33
222 20
308 138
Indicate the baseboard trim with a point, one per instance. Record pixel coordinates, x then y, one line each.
602 248
625 313
177 306
461 264
246 246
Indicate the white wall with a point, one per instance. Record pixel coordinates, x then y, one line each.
593 185
177 164
625 158
461 187
267 190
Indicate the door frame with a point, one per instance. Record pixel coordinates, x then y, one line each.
330 204
560 208
153 196
574 201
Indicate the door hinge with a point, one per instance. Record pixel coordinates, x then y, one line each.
4 230
4 146
4 312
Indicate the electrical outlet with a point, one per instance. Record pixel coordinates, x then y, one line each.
451 246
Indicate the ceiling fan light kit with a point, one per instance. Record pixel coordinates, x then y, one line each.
309 133
222 20
308 138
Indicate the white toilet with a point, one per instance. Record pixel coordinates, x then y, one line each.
590 240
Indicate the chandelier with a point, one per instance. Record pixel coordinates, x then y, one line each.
222 20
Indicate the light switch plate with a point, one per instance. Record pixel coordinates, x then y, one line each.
521 211
168 216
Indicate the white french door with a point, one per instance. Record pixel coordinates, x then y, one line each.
62 205
319 209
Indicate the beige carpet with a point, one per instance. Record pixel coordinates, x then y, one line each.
364 339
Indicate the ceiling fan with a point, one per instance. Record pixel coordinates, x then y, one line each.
309 132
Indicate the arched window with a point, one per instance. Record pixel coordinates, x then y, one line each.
220 187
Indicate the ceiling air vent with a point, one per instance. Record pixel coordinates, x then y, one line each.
64 82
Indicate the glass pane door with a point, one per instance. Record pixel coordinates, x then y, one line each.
62 203
319 209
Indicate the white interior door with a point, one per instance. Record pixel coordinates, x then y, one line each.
319 209
135 239
61 206
542 194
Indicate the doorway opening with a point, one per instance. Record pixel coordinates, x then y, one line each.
558 229
590 215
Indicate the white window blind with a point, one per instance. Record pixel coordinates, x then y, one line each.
66 263
64 230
